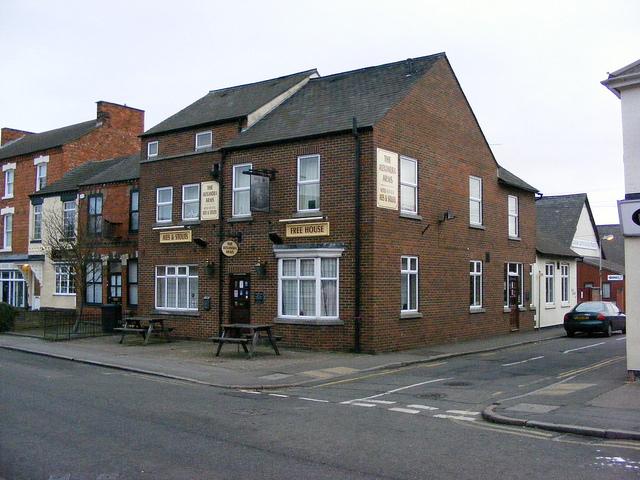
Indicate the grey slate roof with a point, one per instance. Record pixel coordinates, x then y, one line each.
606 264
328 104
73 178
508 178
612 250
122 170
49 139
229 103
557 218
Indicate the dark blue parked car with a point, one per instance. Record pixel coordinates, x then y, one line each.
604 317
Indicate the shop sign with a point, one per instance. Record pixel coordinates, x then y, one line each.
615 278
318 229
180 236
229 248
209 200
387 179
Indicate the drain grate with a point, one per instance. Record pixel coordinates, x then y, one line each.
432 396
457 384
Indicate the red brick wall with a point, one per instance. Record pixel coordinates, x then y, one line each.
9 134
591 274
184 142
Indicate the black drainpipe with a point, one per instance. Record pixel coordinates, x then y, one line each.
358 318
221 239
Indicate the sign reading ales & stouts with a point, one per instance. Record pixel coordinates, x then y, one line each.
179 236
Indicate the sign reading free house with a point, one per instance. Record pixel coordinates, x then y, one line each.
209 200
318 229
179 236
387 179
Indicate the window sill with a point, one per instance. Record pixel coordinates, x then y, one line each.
477 227
3 250
550 306
515 239
64 294
506 309
410 216
565 305
180 313
35 241
522 309
409 315
308 321
167 224
7 198
195 221
247 218
477 310
310 213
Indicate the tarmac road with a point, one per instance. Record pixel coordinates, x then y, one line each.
65 420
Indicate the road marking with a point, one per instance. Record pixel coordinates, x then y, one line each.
358 404
455 417
497 393
463 412
423 407
397 390
278 395
582 348
534 382
620 339
313 400
383 402
251 391
522 361
590 367
404 410
565 389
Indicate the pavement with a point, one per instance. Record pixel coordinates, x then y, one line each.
614 412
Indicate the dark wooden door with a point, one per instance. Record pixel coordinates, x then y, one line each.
514 316
240 298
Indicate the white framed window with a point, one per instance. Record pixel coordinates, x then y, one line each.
177 287
9 179
241 190
513 207
606 290
204 140
308 183
164 204
93 283
564 283
152 149
308 286
409 284
475 200
8 231
408 185
511 270
41 176
65 280
549 283
36 233
475 284
69 219
191 201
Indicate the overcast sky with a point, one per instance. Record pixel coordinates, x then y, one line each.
531 70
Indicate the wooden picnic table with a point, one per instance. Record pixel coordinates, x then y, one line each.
145 326
243 334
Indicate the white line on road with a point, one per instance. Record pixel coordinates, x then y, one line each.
397 390
358 404
523 361
251 391
313 400
423 407
455 417
463 412
620 339
404 410
382 402
582 348
278 395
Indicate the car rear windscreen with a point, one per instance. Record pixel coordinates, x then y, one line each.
591 307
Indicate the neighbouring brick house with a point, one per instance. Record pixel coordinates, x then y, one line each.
387 222
30 162
95 204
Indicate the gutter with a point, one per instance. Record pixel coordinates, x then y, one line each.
221 239
357 240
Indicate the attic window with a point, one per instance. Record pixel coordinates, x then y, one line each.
204 140
152 149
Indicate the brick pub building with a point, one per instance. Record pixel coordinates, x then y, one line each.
388 223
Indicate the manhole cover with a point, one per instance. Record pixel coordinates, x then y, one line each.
432 396
457 384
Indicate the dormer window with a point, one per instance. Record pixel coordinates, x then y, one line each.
152 149
204 140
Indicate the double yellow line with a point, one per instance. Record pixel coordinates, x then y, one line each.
595 366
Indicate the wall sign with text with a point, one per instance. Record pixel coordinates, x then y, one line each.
209 200
178 236
387 179
317 229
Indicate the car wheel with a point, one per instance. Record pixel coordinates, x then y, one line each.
608 331
624 330
571 333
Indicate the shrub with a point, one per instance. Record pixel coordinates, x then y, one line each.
7 316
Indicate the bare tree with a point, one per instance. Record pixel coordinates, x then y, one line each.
66 240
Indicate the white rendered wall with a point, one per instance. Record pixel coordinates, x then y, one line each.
548 315
585 240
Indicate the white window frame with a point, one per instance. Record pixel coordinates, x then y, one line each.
413 186
565 285
176 275
237 170
608 288
7 236
515 214
477 200
475 272
157 149
201 134
163 204
41 179
37 225
316 255
9 173
187 202
308 182
549 279
518 273
65 210
64 271
408 272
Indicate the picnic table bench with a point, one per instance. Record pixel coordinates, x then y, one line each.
145 326
233 333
